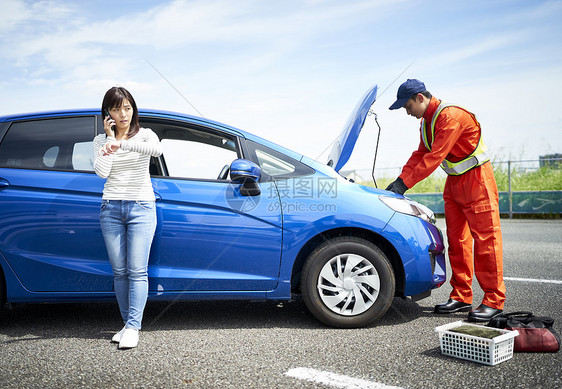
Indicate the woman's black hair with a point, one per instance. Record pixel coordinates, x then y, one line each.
114 98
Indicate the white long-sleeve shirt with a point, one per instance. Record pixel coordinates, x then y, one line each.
127 170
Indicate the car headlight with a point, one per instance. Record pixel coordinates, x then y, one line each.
409 207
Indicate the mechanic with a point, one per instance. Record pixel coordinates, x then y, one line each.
451 137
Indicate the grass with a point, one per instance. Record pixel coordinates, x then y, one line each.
544 178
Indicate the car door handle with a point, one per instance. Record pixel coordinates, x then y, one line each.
4 184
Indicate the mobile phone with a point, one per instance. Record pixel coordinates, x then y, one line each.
106 113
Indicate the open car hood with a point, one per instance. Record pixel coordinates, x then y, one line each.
341 151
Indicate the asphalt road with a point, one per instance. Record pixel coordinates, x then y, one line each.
262 344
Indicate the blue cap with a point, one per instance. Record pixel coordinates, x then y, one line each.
407 90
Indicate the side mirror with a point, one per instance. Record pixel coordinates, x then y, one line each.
247 174
242 170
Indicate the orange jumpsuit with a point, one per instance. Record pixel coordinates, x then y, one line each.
471 204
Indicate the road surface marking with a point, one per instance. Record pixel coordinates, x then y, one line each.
333 379
533 280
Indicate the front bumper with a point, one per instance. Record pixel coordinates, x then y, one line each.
421 249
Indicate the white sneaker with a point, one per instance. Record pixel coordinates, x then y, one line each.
130 338
117 337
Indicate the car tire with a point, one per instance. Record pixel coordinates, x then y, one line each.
347 282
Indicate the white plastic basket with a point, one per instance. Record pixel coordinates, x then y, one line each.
473 348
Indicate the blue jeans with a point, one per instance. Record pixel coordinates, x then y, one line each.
128 229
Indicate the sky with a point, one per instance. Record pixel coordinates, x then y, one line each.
292 71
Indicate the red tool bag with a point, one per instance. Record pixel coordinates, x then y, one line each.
536 334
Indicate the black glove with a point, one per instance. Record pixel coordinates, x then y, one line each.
397 186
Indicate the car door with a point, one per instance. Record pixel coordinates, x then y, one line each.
210 237
49 205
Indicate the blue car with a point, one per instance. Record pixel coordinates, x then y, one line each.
239 217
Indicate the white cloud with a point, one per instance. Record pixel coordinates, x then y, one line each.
476 49
25 15
288 71
67 36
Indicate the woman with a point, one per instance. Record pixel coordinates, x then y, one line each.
128 212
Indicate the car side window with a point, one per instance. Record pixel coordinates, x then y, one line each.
194 153
275 164
49 144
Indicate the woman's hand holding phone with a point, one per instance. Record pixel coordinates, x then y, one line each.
108 124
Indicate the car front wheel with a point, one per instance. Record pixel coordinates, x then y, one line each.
347 282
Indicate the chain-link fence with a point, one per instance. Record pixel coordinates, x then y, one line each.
525 186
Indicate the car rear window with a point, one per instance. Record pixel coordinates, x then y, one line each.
51 144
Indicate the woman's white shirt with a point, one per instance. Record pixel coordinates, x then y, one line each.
127 170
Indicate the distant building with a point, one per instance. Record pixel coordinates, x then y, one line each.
551 160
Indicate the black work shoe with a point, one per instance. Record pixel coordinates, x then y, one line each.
452 306
483 313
